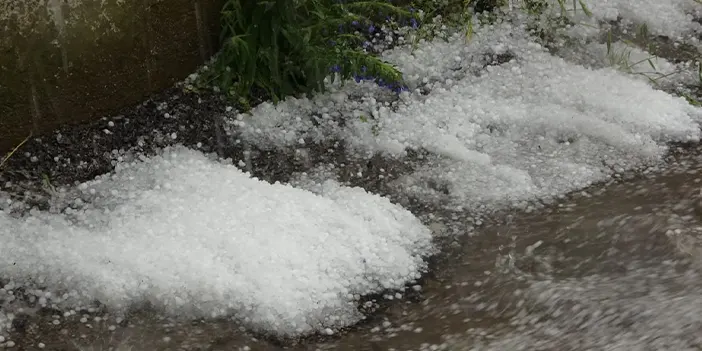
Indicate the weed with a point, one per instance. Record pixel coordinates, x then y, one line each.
46 184
691 100
454 14
289 47
12 152
545 22
622 58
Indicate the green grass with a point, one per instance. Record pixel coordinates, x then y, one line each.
282 48
545 23
621 59
271 49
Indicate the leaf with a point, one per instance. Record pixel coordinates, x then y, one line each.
12 152
469 30
282 46
650 63
585 9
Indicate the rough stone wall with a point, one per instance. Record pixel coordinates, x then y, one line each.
70 61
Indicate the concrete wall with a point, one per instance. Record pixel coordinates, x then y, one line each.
71 61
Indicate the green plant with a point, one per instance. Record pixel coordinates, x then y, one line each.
544 22
289 47
691 100
456 14
622 59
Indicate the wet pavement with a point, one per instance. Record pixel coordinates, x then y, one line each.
613 267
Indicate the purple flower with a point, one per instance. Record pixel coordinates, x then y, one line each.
400 89
371 29
414 23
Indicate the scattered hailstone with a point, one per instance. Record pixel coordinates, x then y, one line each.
211 240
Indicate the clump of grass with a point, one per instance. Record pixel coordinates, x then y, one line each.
621 59
282 48
434 22
547 17
441 19
453 9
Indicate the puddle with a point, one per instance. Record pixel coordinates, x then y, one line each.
636 237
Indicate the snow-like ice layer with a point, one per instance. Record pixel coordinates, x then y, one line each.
433 64
630 59
200 238
543 95
534 127
537 126
439 60
673 18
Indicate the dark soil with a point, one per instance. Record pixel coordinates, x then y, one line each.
75 154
